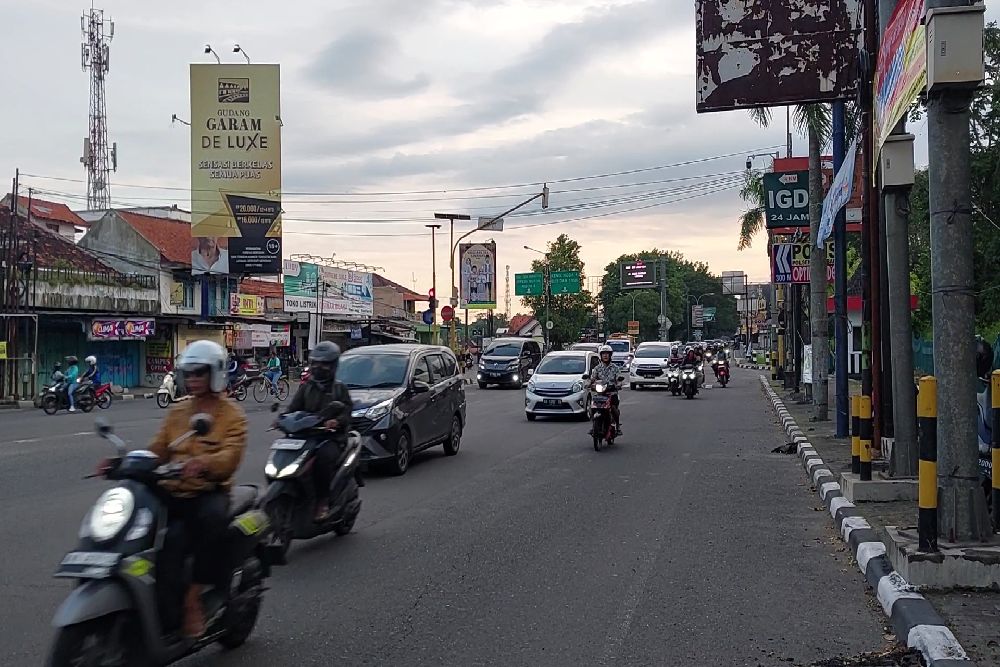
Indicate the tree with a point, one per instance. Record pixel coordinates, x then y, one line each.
569 312
684 278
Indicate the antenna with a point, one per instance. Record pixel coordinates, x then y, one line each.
98 159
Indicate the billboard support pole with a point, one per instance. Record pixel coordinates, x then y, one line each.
840 282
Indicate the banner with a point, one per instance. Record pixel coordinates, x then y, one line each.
247 336
901 71
235 169
246 305
790 262
101 329
159 356
344 292
479 270
839 194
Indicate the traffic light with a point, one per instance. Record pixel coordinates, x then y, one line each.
432 298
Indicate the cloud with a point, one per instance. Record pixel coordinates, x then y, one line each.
359 64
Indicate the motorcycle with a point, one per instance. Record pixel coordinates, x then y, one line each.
290 500
238 389
102 394
674 379
603 429
169 392
721 369
689 381
56 397
113 614
304 375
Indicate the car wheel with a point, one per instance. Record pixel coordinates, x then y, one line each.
401 461
454 441
531 416
482 385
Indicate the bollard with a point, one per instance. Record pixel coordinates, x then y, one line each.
927 496
865 422
856 434
995 461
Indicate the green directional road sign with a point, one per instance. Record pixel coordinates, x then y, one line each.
710 313
565 282
529 284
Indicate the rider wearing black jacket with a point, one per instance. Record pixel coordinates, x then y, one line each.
323 395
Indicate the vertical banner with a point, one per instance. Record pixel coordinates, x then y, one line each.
901 71
839 194
478 262
235 169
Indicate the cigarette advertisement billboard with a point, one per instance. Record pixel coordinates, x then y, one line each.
343 292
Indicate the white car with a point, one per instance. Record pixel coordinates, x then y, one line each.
621 351
560 385
650 366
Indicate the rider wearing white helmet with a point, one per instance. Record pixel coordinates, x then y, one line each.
607 374
92 374
200 499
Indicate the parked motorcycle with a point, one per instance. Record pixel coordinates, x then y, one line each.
56 397
689 381
603 430
290 500
112 615
169 392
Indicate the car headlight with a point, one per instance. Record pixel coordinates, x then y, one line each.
110 513
577 386
531 385
379 410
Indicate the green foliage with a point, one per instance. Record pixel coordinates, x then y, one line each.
683 277
569 312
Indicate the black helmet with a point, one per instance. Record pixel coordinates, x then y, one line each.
327 354
71 360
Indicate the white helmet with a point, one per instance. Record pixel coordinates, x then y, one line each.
91 360
605 348
206 353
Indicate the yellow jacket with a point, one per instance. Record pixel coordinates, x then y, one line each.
220 450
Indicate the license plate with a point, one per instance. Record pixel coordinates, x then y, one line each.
288 444
552 402
90 559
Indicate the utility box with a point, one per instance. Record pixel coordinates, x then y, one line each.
955 47
896 161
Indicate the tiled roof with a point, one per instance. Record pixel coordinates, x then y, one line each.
260 287
52 250
171 237
48 210
519 322
408 294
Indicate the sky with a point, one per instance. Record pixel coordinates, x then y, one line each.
455 98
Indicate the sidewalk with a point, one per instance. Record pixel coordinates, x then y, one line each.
974 617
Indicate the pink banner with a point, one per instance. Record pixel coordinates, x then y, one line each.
122 329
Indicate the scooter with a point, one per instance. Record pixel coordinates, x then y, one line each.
689 381
290 500
56 397
603 431
674 379
721 369
113 614
169 392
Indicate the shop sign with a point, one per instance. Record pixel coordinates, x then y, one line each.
159 356
102 329
246 305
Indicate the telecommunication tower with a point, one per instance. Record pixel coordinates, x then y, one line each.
97 158
506 298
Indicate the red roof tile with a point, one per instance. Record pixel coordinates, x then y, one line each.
260 287
518 322
47 210
408 294
171 237
52 250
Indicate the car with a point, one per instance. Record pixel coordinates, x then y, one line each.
407 398
585 347
621 351
506 362
649 367
560 386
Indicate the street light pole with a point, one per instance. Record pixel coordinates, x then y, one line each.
434 283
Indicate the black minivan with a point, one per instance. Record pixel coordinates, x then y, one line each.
406 397
506 362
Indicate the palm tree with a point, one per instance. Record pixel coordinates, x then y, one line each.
808 119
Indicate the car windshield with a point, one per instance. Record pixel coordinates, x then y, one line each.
371 371
650 352
585 347
562 365
619 345
504 350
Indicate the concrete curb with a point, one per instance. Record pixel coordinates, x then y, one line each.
752 367
911 614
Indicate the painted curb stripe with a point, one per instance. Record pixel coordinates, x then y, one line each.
892 588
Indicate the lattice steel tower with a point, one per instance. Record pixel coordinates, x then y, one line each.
97 158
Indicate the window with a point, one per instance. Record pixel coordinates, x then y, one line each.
437 367
52 227
188 300
563 365
450 366
420 372
358 370
533 348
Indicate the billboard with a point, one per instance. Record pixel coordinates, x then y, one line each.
790 262
344 292
112 329
734 282
478 279
235 169
901 71
786 199
638 274
247 305
761 53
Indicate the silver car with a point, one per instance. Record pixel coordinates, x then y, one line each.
560 385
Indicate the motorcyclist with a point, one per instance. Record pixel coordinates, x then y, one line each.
721 359
72 375
693 359
232 369
93 373
323 395
198 503
607 373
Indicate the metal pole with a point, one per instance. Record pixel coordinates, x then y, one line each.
452 301
663 298
797 335
435 332
817 284
840 283
962 507
548 297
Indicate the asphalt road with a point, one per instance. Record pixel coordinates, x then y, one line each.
688 543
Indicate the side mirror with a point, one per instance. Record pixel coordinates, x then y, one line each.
420 387
201 423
